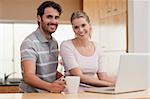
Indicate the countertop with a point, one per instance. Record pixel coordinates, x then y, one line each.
81 95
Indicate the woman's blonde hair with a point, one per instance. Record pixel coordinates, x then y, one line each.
80 14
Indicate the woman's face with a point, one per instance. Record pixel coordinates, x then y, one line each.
81 28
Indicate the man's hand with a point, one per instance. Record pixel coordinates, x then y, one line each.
57 86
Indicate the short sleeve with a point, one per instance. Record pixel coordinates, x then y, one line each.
28 51
68 56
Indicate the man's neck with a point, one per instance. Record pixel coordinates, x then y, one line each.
46 34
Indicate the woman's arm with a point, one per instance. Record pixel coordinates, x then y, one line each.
89 79
103 76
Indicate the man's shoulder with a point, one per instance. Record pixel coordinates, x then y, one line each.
31 37
29 40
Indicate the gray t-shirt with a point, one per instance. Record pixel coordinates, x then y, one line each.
44 53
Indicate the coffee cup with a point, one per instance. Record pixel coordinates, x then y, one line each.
72 84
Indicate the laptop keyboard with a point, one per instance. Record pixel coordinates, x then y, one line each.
107 88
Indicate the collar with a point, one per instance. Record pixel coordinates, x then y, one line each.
41 36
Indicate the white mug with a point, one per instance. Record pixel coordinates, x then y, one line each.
72 84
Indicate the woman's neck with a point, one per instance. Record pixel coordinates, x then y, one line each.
80 42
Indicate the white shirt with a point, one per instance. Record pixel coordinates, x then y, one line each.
89 65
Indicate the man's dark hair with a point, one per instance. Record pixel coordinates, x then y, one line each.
41 8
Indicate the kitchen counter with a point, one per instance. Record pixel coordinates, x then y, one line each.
12 86
82 95
10 82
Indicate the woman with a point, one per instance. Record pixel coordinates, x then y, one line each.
81 56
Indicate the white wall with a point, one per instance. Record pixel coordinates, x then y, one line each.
149 35
138 20
138 26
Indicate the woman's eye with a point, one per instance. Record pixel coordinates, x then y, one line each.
83 25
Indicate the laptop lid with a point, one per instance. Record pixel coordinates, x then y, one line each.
132 74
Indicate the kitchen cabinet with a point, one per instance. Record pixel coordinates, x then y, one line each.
10 85
109 23
107 8
100 9
25 10
9 89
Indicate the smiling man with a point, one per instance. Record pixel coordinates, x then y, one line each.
39 53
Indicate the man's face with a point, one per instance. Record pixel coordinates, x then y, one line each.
49 20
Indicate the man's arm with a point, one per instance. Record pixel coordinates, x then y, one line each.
29 76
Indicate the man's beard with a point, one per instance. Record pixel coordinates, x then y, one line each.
45 28
56 25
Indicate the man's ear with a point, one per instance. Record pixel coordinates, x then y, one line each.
39 18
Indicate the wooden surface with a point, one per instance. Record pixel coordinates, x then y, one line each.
82 95
9 89
25 10
109 22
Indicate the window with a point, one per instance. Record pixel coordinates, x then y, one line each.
11 37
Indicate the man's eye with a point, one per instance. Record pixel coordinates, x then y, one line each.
75 27
57 17
50 16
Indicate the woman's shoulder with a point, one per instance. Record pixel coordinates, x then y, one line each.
66 45
66 42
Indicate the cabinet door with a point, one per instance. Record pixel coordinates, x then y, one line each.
109 25
9 89
108 19
113 7
113 34
108 8
6 48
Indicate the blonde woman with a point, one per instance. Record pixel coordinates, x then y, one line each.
81 56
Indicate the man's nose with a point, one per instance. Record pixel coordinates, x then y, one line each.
54 20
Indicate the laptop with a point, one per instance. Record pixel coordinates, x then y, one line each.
132 75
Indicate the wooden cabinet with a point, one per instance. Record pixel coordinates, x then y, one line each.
109 20
109 23
9 89
10 9
109 8
104 8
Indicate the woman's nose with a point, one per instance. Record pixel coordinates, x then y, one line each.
80 29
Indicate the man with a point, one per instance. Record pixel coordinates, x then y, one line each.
39 53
